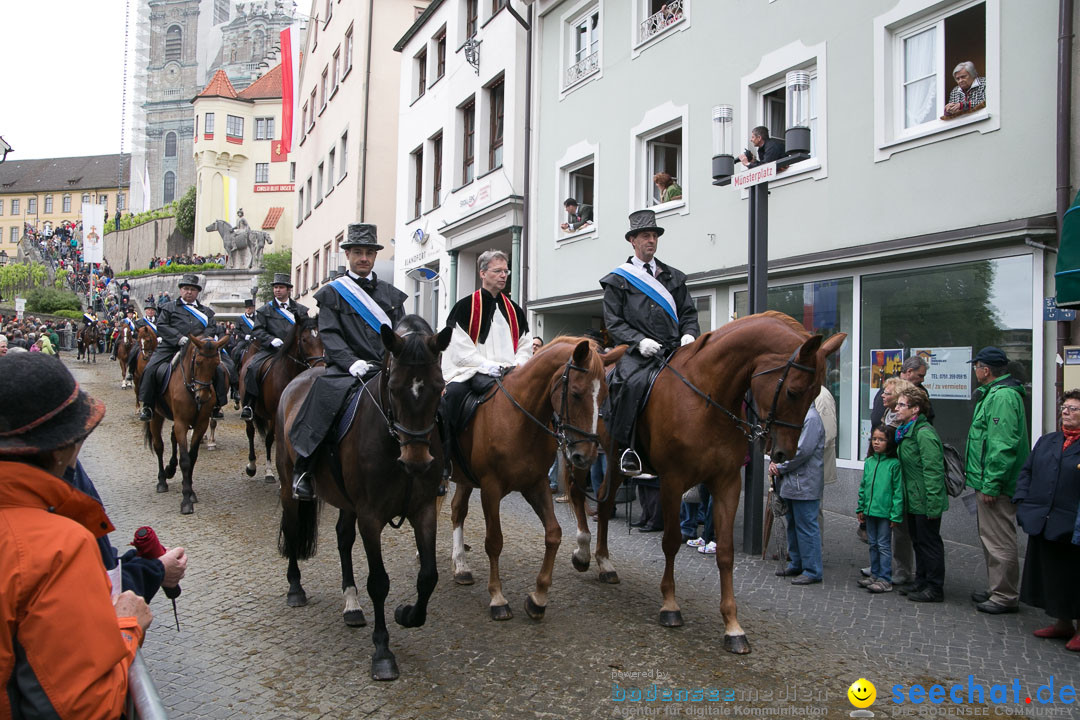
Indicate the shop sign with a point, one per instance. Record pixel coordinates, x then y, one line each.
479 196
754 176
1052 313
948 376
288 187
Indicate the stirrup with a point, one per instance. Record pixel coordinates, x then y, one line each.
629 463
247 413
302 489
146 414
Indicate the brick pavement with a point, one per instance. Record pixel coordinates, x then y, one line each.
242 653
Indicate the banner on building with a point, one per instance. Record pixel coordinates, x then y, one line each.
93 223
884 364
229 190
948 376
290 72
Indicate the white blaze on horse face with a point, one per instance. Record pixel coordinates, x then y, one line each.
417 386
595 404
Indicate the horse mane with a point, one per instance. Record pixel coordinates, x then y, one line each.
414 330
785 320
287 342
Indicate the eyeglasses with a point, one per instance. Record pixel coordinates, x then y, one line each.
903 405
1069 409
498 272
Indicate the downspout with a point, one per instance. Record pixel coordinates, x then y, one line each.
367 111
1064 181
526 203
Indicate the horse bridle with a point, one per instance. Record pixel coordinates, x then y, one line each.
396 429
558 425
754 430
194 384
307 362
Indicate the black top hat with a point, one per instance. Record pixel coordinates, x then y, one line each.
192 280
249 302
41 405
282 279
992 356
362 235
642 220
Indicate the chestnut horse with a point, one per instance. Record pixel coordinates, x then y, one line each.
509 447
125 344
147 340
302 349
693 430
88 338
390 466
188 401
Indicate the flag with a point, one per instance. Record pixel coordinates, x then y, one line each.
93 222
145 186
290 73
228 197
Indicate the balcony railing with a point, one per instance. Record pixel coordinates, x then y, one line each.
172 92
660 21
582 69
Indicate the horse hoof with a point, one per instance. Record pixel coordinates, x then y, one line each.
609 577
501 612
211 446
406 616
299 599
194 497
385 669
579 565
250 470
163 487
737 644
186 507
353 618
536 612
270 479
463 578
671 618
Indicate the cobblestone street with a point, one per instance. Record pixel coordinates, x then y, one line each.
242 653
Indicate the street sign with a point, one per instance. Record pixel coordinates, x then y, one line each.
754 176
1052 313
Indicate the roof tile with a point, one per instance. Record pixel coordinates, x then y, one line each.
272 218
268 86
219 86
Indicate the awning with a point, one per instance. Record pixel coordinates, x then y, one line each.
272 218
1067 275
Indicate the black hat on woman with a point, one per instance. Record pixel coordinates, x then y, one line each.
42 408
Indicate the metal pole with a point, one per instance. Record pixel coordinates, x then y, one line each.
515 267
757 288
452 290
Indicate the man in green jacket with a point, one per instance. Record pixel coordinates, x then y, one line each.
997 446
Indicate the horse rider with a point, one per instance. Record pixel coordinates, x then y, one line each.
352 308
89 318
491 335
646 306
273 322
149 319
244 328
128 320
182 317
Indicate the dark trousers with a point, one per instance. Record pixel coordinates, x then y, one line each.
320 410
626 388
251 381
649 496
149 390
929 552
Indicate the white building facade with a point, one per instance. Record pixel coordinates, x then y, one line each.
461 150
910 233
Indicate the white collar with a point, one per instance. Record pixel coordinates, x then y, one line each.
356 277
638 262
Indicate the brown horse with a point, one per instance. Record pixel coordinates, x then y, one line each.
188 401
88 338
509 447
390 466
693 430
147 341
301 349
125 344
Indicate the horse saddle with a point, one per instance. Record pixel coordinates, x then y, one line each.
162 374
352 404
460 404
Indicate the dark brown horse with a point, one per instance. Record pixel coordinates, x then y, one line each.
188 401
694 430
509 447
390 466
301 349
147 342
88 338
125 346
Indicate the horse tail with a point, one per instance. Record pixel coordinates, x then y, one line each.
299 533
148 439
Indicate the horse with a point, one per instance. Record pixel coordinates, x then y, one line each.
236 243
88 338
390 465
561 386
188 401
260 239
147 340
693 429
123 353
301 349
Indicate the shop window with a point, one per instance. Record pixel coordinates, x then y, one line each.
823 307
584 45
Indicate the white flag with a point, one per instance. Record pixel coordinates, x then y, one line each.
93 222
229 191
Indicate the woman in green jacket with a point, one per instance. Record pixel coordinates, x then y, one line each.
922 463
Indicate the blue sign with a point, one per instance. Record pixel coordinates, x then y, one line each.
1052 313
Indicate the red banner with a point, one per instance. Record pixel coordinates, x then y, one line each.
274 188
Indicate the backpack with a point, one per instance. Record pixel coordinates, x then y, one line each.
955 477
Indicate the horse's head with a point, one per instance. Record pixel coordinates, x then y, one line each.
147 340
577 392
310 347
205 360
414 383
784 384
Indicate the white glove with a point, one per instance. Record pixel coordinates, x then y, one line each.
490 368
648 347
184 341
247 337
359 368
278 342
686 339
158 338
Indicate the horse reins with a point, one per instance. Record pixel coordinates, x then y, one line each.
194 384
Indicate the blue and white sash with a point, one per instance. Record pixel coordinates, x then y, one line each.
151 323
130 323
247 321
649 285
199 315
361 302
286 314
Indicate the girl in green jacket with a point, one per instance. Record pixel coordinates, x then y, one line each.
881 506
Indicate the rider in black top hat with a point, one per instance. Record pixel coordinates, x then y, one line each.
273 323
646 306
179 318
351 310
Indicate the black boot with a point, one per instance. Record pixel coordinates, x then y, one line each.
146 413
217 414
444 440
247 413
302 489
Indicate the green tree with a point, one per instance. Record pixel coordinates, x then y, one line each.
275 262
185 213
48 300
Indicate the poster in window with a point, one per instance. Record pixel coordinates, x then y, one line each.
948 376
884 364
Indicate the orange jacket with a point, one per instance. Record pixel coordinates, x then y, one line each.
62 648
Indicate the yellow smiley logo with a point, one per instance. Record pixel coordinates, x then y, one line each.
862 693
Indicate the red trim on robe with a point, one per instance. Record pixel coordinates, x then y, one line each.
475 316
511 315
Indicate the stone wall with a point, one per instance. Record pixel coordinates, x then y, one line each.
132 249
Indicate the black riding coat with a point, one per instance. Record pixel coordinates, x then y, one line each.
175 322
346 336
270 324
630 315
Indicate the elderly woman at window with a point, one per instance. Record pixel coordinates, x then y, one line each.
1047 497
669 189
969 94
